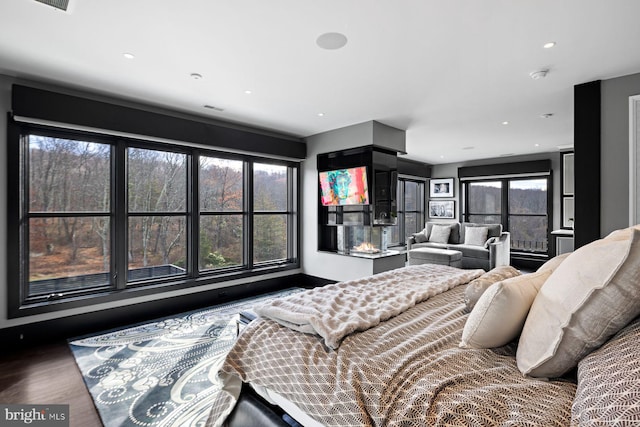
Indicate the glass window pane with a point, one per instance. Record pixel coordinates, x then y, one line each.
68 253
485 197
269 238
528 233
157 247
157 180
220 185
67 175
410 196
393 235
269 187
486 219
220 241
528 196
411 224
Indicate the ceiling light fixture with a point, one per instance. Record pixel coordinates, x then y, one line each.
331 41
248 92
505 123
549 45
196 76
128 55
540 74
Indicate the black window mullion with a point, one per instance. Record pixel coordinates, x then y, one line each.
248 200
119 233
193 215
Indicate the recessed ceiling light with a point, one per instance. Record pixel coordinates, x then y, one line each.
196 76
248 92
331 41
505 123
128 55
442 156
320 114
549 45
536 145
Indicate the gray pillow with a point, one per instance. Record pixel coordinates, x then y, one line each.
476 236
440 233
420 237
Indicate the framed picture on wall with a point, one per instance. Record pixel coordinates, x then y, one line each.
441 187
442 209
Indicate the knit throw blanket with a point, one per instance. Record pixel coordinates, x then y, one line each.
335 311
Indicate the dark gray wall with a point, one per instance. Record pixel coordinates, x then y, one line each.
614 156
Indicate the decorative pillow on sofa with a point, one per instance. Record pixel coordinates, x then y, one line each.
440 233
476 236
420 237
476 287
609 382
590 296
501 311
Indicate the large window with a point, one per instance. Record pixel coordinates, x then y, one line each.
98 215
520 204
411 216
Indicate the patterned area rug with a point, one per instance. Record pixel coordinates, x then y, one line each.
162 373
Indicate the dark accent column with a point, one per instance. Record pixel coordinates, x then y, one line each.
586 142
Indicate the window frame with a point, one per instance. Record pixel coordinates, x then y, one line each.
402 211
120 289
504 208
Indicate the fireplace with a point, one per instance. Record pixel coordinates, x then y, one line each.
365 241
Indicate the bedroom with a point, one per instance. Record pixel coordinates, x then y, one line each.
617 85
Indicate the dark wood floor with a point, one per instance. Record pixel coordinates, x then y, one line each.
47 375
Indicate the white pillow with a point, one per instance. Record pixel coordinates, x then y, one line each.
589 297
440 233
478 286
500 313
476 236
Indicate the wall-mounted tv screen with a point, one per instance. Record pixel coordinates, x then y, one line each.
344 187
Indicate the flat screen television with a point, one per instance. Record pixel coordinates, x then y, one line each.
344 187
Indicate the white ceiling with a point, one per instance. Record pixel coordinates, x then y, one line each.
448 72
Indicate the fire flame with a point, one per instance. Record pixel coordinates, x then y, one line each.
366 247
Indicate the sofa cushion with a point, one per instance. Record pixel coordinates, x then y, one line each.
439 233
476 287
476 236
493 230
471 251
500 313
589 297
454 236
420 237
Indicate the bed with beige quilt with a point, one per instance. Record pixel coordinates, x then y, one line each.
432 345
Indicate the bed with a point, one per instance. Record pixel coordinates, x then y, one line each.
425 359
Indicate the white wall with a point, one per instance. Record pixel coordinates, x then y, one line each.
5 106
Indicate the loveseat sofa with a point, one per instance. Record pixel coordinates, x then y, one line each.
483 246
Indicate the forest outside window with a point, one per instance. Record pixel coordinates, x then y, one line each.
98 215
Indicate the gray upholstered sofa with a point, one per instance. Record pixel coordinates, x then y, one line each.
477 252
